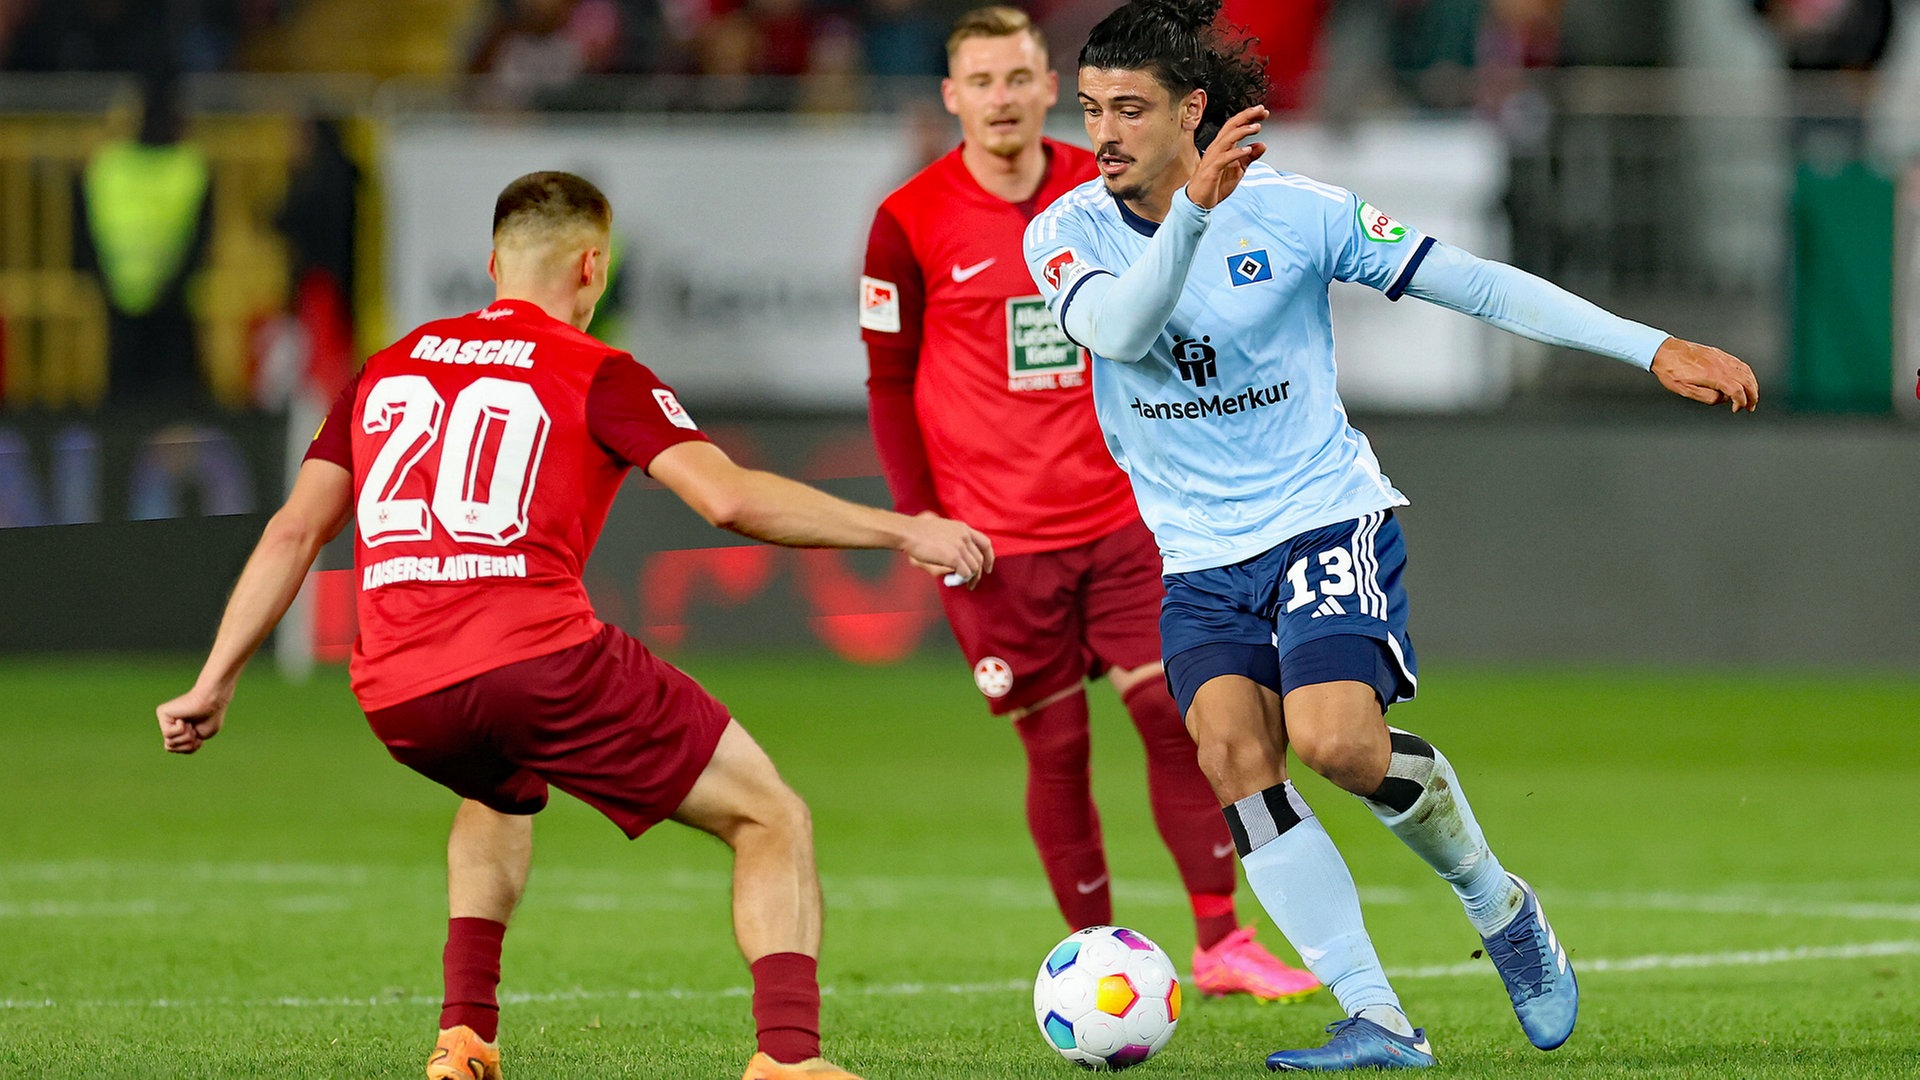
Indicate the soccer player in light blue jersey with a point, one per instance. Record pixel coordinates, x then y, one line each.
1199 283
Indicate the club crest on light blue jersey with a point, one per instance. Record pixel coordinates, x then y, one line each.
1249 267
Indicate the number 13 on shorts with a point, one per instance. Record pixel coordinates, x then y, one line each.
1336 578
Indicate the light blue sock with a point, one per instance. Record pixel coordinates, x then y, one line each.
1304 884
1420 802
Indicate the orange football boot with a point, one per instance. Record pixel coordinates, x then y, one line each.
763 1067
459 1054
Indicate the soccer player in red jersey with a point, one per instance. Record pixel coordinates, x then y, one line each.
477 458
981 408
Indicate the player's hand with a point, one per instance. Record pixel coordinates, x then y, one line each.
1706 375
1224 163
932 568
192 718
941 546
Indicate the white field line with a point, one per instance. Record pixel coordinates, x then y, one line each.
1586 965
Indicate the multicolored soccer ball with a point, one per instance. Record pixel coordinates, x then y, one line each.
1107 998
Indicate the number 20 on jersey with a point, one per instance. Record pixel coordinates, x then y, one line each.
489 445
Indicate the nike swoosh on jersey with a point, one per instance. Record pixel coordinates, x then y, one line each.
962 273
1221 851
1086 888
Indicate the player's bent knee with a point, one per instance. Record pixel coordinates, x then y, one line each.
741 790
789 814
1236 768
774 813
1352 757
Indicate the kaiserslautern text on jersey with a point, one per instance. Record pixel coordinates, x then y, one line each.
437 568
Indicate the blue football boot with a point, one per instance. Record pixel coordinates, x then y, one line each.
1357 1044
1533 964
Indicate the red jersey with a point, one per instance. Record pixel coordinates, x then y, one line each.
982 409
485 452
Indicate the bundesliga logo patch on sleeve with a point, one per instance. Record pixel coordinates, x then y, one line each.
879 305
1061 268
670 405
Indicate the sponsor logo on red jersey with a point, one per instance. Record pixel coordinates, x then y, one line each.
1039 354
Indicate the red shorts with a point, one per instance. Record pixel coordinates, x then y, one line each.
605 721
1043 622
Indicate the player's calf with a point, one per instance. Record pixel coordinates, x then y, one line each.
1421 802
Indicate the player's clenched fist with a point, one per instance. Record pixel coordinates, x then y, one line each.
948 547
1224 163
191 719
1706 375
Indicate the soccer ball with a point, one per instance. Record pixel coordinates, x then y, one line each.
1107 998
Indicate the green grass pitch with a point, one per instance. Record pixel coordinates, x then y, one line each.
1729 857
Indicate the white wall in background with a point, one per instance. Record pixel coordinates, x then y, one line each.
741 242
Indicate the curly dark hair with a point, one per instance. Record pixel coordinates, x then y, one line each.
1177 41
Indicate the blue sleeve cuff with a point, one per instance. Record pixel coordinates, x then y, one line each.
1067 301
1400 282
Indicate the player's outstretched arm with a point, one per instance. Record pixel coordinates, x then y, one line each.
769 507
1706 375
1533 307
314 513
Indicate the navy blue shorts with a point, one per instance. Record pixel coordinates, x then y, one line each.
1324 606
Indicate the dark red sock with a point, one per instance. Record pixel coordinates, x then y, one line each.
786 1006
1060 811
1213 919
472 966
1184 807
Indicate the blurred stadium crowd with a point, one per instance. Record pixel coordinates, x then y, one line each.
1429 45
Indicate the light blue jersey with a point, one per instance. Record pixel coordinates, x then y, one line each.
1230 426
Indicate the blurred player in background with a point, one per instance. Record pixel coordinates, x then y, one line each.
478 457
981 408
1200 285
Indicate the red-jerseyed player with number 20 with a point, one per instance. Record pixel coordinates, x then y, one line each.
981 408
477 458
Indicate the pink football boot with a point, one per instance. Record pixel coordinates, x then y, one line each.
1237 964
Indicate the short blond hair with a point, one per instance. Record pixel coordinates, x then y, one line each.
997 20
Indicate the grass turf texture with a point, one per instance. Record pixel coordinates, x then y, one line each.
274 905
